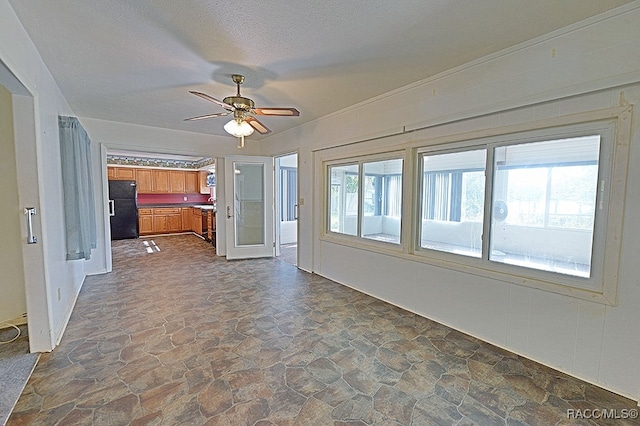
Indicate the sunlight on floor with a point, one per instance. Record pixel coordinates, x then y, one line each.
150 246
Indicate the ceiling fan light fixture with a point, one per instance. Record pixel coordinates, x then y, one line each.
238 129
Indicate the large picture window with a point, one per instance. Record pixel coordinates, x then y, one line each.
544 204
453 202
343 200
538 204
365 199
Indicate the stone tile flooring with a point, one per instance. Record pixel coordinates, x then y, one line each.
179 336
289 253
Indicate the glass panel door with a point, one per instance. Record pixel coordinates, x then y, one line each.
249 209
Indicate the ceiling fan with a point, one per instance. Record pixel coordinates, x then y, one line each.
243 110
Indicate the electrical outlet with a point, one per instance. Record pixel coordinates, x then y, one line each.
185 198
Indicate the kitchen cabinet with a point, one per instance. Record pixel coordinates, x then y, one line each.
145 221
121 173
145 224
176 182
167 219
185 212
161 220
160 181
174 223
191 182
160 224
196 220
145 181
202 180
210 225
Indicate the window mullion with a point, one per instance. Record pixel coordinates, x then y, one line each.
361 190
547 200
488 196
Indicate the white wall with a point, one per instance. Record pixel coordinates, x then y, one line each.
585 67
13 302
52 283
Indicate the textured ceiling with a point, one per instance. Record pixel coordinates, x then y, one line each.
134 61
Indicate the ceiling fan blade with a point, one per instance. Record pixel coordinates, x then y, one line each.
212 99
291 112
253 122
202 117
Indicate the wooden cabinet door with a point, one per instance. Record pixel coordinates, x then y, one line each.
202 180
125 173
186 218
121 173
160 224
176 181
191 182
174 223
145 223
145 181
160 181
209 224
196 224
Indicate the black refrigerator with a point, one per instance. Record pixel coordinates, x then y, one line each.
123 209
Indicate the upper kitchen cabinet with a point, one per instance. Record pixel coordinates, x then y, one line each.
176 181
191 182
202 180
145 181
121 173
162 181
161 184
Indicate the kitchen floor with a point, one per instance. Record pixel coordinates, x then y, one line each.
176 335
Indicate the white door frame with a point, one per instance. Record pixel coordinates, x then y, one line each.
278 203
41 337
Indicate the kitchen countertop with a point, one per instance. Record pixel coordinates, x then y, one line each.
197 206
205 207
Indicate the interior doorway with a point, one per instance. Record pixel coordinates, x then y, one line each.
287 208
13 304
19 262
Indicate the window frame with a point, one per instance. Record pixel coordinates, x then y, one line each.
417 228
358 239
607 232
595 283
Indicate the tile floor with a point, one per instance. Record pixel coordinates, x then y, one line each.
178 336
289 253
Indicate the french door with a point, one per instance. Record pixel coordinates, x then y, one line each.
249 206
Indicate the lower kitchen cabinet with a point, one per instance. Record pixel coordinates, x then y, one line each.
145 224
174 223
186 219
163 220
196 220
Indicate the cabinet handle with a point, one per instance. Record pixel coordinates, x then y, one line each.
112 210
295 212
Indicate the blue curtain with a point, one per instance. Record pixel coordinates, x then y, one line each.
77 180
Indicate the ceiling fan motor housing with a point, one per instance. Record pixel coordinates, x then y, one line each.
239 102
